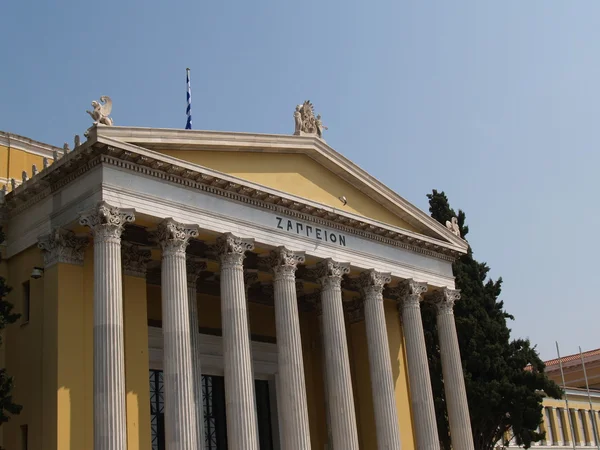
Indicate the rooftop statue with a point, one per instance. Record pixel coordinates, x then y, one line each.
306 122
101 111
452 225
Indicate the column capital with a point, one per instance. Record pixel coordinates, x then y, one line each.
250 278
194 267
284 262
62 246
355 310
409 293
311 302
106 221
371 283
444 300
232 249
329 273
134 259
174 237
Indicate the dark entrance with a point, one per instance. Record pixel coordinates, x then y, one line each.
213 397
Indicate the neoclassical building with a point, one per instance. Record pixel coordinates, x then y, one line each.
574 421
185 290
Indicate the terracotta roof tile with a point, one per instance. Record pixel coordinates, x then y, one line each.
575 357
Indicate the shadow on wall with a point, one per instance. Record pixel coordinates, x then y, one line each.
361 377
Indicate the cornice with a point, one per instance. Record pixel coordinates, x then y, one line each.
27 145
153 164
317 149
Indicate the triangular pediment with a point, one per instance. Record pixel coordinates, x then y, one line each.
300 166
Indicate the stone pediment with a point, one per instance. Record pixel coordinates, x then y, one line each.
228 153
110 146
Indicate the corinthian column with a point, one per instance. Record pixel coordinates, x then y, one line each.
338 379
239 386
106 223
295 434
193 271
454 381
62 246
380 365
421 395
180 409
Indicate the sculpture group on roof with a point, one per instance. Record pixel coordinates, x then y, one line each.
306 122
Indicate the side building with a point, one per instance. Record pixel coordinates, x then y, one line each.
577 426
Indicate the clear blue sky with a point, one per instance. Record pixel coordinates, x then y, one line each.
496 104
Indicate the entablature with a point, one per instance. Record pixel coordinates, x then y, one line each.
129 157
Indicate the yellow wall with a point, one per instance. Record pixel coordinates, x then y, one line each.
3 161
296 174
135 319
400 375
361 379
50 357
14 161
23 352
54 382
313 371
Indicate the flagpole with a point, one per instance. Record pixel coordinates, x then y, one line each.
188 125
587 388
562 374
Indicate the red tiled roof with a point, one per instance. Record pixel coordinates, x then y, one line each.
574 357
569 358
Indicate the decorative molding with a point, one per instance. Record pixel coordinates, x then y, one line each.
355 310
372 282
284 262
160 139
444 300
310 302
62 246
250 279
262 294
62 173
329 273
408 294
232 249
135 259
106 222
194 267
173 237
25 144
6 182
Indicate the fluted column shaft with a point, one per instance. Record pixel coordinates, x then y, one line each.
380 365
193 270
454 381
421 394
339 383
106 223
324 365
295 434
239 386
178 368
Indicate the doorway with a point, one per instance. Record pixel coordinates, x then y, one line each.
215 415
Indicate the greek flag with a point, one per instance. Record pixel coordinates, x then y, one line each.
188 125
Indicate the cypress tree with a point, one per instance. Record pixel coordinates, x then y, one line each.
7 317
504 378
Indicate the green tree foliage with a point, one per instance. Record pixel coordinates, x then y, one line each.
7 316
504 379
